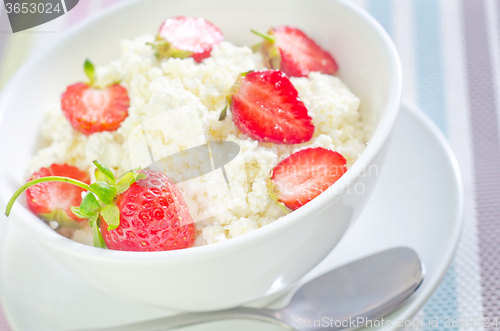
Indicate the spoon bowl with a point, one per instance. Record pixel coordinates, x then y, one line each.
361 291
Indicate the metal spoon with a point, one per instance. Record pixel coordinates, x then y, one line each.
361 291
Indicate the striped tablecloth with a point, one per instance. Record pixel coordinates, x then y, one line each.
450 51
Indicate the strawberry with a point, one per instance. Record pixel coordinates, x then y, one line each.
140 211
90 109
290 50
304 175
52 201
153 217
266 107
184 37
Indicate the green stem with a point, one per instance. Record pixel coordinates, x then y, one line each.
43 180
265 36
88 67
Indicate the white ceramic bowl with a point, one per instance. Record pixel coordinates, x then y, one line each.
249 267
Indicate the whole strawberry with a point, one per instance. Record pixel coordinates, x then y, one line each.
290 50
153 217
90 109
52 201
152 209
304 175
184 37
266 107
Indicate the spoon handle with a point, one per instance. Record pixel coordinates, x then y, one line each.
187 319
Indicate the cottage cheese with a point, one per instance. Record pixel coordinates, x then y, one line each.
155 87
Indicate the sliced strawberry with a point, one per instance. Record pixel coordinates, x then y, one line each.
90 109
304 175
266 107
187 36
52 201
293 52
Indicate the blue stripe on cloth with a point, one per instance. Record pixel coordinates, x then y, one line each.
382 11
430 91
428 61
443 305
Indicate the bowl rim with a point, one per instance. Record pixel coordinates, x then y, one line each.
22 217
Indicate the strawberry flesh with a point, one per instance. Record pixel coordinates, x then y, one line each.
52 201
304 175
192 34
91 110
266 107
300 54
153 217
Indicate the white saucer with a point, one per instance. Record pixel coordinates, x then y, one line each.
417 203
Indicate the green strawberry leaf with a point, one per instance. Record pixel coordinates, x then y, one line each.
89 205
229 100
106 172
88 67
223 114
179 53
111 215
133 170
256 48
127 180
98 239
105 192
78 213
101 177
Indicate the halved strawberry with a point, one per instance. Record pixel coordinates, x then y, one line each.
290 50
304 175
183 37
90 109
266 107
52 201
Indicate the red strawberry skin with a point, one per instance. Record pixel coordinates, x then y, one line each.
52 201
304 175
266 107
91 110
153 217
192 34
300 54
